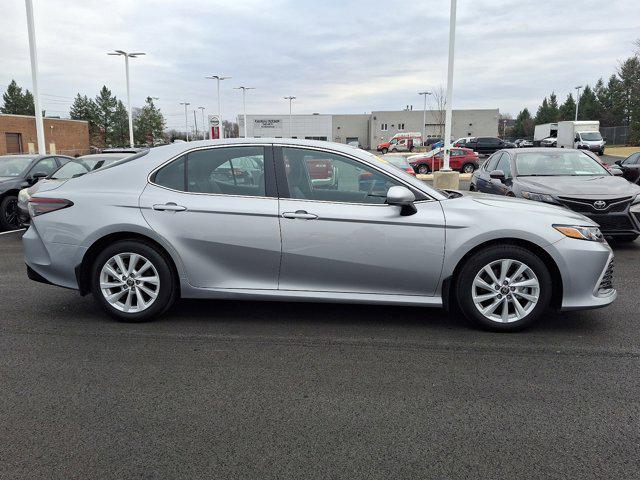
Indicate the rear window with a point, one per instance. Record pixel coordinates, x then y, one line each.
126 160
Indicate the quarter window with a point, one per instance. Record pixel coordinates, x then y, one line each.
323 176
172 176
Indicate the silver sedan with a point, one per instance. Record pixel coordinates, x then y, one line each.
244 219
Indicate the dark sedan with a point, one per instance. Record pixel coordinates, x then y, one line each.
18 172
487 145
568 178
630 167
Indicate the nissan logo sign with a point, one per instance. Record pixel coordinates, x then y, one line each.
600 205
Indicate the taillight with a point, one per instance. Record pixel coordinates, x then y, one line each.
40 205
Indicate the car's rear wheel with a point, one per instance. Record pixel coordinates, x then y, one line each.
9 213
504 288
423 169
468 168
384 151
133 281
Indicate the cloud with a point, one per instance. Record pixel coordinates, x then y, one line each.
342 57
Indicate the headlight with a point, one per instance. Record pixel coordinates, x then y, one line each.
592 234
538 197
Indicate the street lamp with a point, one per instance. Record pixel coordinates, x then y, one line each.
218 79
577 99
244 105
290 98
447 122
424 116
195 122
42 149
204 130
127 56
186 121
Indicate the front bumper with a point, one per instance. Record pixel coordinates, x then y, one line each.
586 269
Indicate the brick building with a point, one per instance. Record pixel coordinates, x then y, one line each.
66 137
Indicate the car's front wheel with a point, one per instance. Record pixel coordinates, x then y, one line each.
468 168
133 281
423 169
504 288
384 151
9 213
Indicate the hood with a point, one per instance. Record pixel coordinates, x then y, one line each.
601 186
517 206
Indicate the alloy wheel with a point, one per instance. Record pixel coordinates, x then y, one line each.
505 290
129 282
11 214
469 168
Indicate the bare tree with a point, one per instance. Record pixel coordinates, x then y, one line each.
439 96
636 44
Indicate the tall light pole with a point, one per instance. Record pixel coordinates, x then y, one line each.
447 122
127 56
195 122
424 116
218 79
290 98
204 130
186 121
42 149
244 105
577 99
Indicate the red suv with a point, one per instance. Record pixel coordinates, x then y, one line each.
464 160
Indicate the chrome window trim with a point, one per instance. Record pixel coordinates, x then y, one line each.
303 147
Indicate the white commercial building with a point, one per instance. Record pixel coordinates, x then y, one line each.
371 129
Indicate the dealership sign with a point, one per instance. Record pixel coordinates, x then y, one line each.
214 126
266 122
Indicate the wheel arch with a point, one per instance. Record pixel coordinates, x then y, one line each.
448 284
83 271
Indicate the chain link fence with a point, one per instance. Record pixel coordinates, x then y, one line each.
615 135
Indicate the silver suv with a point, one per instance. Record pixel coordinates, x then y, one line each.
244 219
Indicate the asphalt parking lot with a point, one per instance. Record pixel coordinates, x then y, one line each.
276 390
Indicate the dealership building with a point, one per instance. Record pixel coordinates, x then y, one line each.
370 129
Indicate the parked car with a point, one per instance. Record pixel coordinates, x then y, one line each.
140 234
18 172
322 172
463 160
400 162
74 167
398 144
630 167
462 142
523 143
568 178
549 142
486 145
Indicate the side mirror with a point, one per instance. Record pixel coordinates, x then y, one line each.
402 197
36 177
617 172
497 175
618 162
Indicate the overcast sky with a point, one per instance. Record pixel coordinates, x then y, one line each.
335 56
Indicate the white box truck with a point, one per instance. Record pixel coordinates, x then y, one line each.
584 134
543 131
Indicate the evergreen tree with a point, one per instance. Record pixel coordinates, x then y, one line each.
105 110
554 112
523 126
84 108
119 133
629 74
567 110
588 105
544 114
17 103
148 124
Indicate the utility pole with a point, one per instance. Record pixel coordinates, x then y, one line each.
204 129
244 105
577 99
127 56
290 98
424 116
186 121
219 78
42 148
195 122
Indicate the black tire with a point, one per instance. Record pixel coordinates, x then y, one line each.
632 237
486 256
411 149
9 213
384 151
423 169
472 188
167 288
468 168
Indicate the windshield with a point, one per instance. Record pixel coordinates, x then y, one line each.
557 164
79 166
591 136
13 166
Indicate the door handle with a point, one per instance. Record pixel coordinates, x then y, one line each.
169 207
301 214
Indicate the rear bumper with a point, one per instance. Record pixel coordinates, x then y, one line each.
52 263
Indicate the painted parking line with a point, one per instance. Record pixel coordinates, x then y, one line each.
13 231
